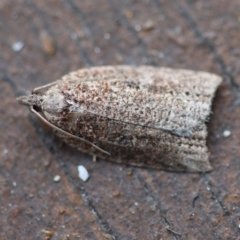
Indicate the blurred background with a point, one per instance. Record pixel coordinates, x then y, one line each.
42 40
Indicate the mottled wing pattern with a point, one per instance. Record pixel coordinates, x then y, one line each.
177 101
130 111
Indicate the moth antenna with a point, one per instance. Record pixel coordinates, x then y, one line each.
66 133
171 230
35 90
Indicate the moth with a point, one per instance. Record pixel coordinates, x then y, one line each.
143 116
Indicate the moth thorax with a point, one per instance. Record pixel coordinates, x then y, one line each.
53 102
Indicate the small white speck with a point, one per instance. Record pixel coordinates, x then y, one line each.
138 28
226 133
94 158
83 173
5 152
239 226
136 203
208 188
107 36
56 178
17 46
97 50
14 184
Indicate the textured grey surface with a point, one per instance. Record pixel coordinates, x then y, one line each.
117 202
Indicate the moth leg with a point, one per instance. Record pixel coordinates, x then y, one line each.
35 90
66 133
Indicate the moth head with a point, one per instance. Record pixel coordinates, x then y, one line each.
31 100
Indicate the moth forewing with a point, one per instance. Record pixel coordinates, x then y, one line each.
142 116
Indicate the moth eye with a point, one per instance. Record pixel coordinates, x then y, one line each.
37 108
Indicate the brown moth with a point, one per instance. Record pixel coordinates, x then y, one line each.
142 116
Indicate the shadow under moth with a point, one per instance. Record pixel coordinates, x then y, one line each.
142 116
